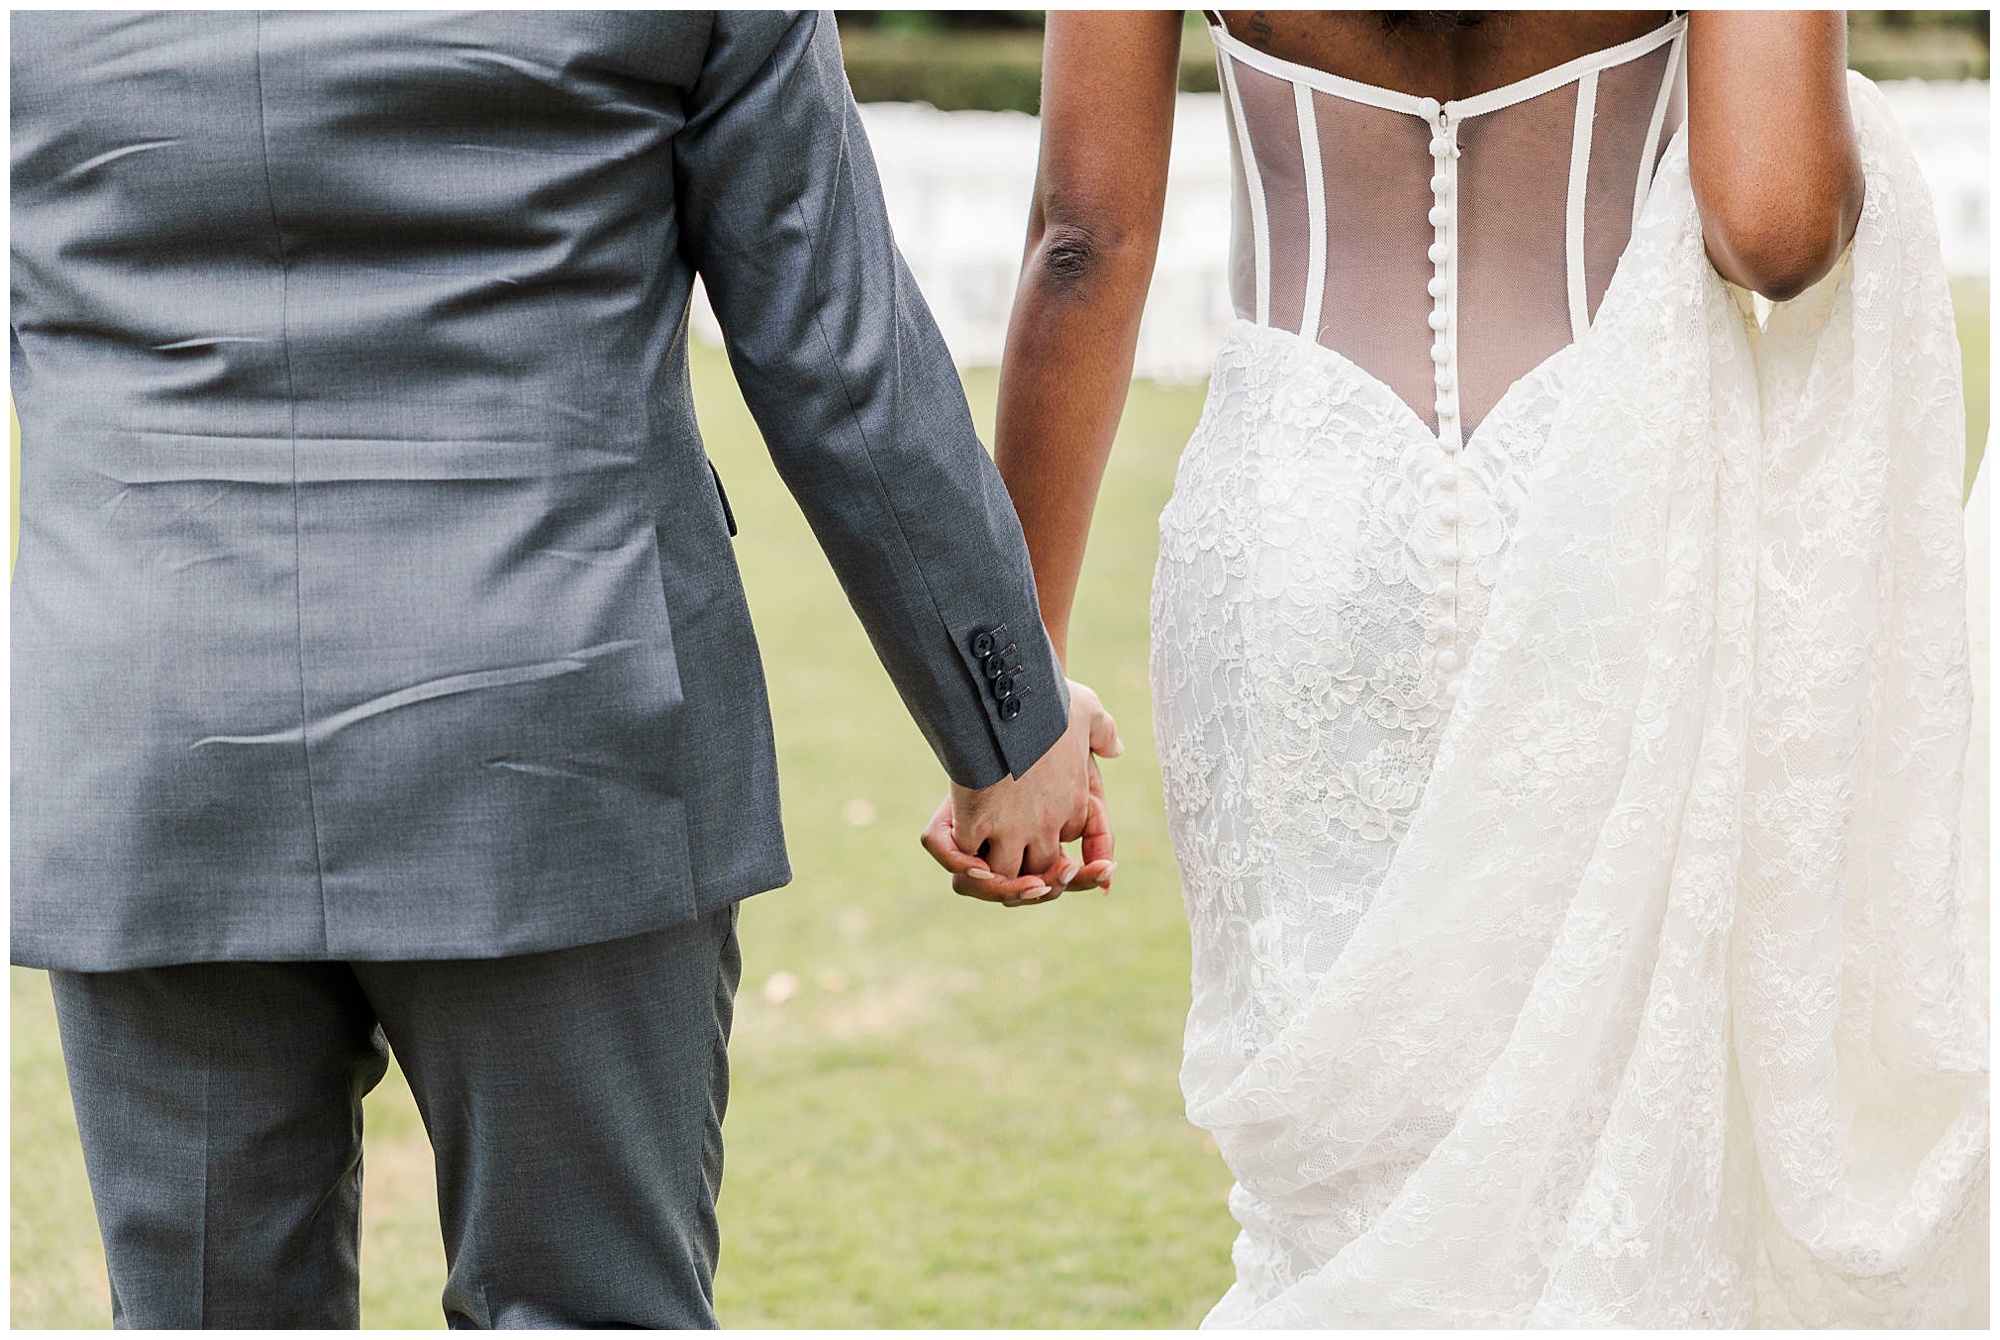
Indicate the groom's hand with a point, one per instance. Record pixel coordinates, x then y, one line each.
1003 844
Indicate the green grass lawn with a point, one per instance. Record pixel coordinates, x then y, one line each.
965 1116
1972 303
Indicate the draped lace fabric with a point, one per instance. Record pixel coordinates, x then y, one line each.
1588 890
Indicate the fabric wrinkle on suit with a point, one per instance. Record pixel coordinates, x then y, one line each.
382 670
574 1188
375 596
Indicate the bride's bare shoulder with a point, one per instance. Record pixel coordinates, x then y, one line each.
1440 54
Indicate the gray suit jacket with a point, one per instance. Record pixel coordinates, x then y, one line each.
375 598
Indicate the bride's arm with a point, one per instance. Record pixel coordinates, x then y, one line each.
1093 230
1108 82
1771 146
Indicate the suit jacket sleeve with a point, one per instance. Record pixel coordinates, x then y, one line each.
781 213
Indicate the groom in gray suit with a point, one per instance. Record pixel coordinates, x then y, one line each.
382 677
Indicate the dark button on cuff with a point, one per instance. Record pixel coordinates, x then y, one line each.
1001 675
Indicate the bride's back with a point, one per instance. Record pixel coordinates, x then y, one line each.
1436 54
1442 204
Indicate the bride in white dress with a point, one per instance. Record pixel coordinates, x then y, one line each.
1563 681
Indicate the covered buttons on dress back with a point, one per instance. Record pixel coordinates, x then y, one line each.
1445 248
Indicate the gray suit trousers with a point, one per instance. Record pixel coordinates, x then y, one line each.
574 1099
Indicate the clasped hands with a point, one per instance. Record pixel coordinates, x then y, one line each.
1004 843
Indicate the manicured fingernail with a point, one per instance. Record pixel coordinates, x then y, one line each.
1109 871
1039 891
980 874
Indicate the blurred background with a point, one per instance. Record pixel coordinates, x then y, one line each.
944 1113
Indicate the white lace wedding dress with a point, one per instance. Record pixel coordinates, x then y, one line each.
1575 752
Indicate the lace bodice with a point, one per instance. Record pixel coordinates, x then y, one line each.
1445 248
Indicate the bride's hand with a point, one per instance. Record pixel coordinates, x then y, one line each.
1003 844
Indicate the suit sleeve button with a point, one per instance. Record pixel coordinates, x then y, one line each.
995 666
1003 686
982 644
1009 708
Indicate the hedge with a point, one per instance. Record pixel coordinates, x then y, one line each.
1000 69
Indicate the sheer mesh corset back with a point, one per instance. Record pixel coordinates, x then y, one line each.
1446 249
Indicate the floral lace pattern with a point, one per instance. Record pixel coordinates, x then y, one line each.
1583 833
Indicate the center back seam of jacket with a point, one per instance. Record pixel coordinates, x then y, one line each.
292 433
